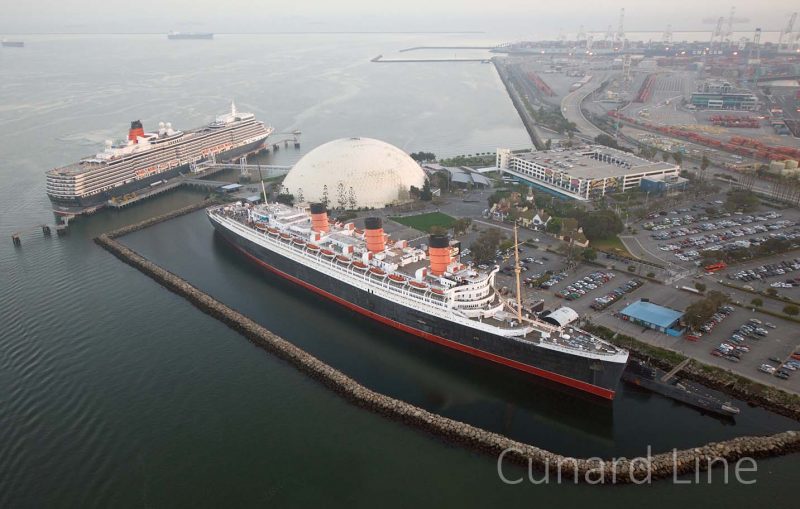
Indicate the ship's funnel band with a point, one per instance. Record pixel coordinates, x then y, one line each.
374 234
319 218
439 254
136 131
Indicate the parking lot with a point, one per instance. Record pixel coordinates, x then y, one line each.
779 342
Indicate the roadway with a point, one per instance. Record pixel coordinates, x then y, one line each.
571 108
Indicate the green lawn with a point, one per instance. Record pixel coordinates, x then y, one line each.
612 244
424 222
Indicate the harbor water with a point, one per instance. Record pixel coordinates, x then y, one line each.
118 393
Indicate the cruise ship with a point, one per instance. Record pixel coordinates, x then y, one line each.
146 158
424 291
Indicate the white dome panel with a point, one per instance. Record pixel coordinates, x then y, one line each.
378 173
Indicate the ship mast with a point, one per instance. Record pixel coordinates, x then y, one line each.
517 270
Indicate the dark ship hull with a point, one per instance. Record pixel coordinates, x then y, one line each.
591 375
650 378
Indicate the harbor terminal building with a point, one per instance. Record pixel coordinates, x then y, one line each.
582 173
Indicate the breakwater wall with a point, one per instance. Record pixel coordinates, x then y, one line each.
516 100
620 470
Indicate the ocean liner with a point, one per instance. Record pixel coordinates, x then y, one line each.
146 158
428 293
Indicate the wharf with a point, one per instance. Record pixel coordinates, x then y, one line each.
196 180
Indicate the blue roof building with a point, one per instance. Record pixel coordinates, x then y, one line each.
653 316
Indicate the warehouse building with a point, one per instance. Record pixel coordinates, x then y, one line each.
581 173
653 316
664 184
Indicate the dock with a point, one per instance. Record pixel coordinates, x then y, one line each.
196 179
674 371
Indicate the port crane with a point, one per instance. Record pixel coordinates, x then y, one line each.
787 31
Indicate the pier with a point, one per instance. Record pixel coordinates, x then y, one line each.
46 229
196 179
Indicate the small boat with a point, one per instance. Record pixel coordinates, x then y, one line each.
262 226
312 247
360 265
437 291
377 272
397 278
327 253
343 259
419 285
273 231
299 242
286 236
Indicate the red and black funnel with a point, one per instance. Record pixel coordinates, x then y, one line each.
136 130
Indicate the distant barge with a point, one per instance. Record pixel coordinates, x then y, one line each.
189 35
13 44
639 374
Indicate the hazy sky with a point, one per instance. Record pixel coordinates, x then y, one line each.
494 16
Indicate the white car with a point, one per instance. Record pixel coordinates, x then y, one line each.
766 368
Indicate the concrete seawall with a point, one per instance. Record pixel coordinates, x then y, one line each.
622 470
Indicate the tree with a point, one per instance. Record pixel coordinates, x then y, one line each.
285 198
341 197
461 225
772 292
678 157
426 194
554 226
700 287
699 312
608 141
665 156
589 254
325 195
791 310
741 199
485 246
548 144
602 224
757 302
704 163
351 199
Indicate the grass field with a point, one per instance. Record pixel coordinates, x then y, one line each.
613 245
424 222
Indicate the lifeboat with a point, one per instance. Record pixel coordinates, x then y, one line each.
419 285
299 242
312 247
359 231
272 231
286 236
397 278
262 225
437 291
360 265
342 259
377 272
327 253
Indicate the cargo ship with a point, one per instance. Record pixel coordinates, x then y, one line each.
653 379
189 35
145 158
13 44
424 291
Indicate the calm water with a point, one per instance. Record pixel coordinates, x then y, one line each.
118 393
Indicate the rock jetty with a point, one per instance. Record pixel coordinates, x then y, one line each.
622 470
